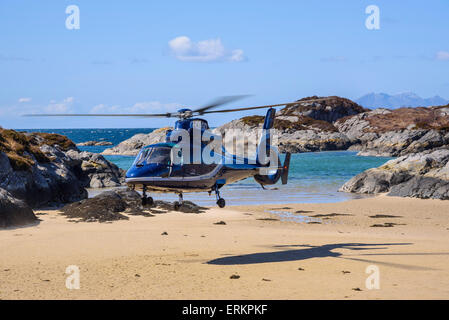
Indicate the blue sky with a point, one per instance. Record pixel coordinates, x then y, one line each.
152 56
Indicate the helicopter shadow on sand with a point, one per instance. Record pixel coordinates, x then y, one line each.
323 251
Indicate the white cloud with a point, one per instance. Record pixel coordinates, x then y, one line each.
139 107
442 56
102 108
22 107
63 106
184 49
153 107
237 55
67 106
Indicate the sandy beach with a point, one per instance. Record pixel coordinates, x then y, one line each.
318 251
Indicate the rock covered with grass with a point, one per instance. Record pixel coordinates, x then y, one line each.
304 127
384 132
328 124
48 169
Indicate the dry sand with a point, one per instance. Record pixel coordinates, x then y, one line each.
274 259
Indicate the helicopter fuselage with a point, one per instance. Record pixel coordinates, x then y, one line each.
159 180
165 176
166 167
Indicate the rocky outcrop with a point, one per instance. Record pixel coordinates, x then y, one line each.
384 132
328 109
132 146
47 169
97 172
306 139
420 175
330 123
107 206
113 205
94 143
305 127
14 212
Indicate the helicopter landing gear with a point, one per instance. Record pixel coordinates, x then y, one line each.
220 201
179 203
146 200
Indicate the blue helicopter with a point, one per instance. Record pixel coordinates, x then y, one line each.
166 167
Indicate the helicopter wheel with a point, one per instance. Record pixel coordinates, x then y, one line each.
147 201
221 202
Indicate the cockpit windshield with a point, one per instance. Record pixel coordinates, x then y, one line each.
159 155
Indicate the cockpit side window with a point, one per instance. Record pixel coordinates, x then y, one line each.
159 155
141 157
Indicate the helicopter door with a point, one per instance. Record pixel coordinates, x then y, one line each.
176 163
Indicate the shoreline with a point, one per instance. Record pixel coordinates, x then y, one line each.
134 259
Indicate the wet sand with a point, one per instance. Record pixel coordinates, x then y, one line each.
297 251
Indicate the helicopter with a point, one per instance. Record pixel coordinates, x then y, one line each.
167 167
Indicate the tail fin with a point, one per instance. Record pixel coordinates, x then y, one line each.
285 167
269 119
265 139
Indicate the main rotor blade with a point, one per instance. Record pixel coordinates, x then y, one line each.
267 106
141 115
200 111
218 102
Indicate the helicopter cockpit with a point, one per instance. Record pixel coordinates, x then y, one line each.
170 156
159 155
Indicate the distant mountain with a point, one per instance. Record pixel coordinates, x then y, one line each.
407 99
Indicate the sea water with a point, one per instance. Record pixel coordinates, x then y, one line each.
313 176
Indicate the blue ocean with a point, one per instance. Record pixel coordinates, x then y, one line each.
313 177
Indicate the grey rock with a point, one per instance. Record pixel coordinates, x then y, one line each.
107 206
393 133
14 212
422 187
61 178
111 206
309 139
312 141
94 143
421 175
45 184
97 172
330 109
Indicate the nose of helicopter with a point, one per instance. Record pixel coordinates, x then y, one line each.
148 170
